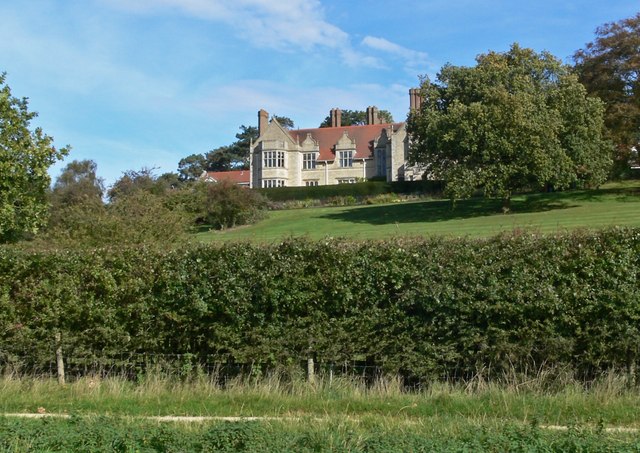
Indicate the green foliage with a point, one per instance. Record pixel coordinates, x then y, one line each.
423 308
608 68
144 209
357 118
77 183
109 434
233 436
284 121
516 120
191 167
227 205
234 156
361 189
25 157
224 158
133 181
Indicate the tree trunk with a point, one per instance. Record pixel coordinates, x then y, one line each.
506 205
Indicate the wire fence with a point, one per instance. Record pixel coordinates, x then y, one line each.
184 366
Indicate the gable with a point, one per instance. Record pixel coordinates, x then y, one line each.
275 137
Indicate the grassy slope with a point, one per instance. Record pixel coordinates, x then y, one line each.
614 204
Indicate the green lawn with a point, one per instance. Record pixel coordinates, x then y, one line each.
613 204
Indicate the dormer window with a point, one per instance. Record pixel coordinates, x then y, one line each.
346 158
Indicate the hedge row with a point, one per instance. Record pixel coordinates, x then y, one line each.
425 308
361 189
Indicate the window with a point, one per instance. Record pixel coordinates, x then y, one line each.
267 183
311 183
382 162
346 158
347 181
309 161
273 159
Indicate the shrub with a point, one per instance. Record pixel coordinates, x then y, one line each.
341 200
227 205
358 190
138 218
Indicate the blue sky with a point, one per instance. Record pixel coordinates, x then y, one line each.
143 83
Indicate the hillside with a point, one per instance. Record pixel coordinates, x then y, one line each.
613 204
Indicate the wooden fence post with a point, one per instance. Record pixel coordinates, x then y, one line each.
59 359
311 377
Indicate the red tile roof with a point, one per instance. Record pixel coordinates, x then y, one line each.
327 137
236 176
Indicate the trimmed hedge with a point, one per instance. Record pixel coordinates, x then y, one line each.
425 308
360 189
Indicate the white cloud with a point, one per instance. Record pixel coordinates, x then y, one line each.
307 107
413 60
285 26
390 47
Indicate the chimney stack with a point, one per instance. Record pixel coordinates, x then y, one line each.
372 115
263 120
415 100
336 117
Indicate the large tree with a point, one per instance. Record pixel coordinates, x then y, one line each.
226 158
78 183
516 120
357 118
25 156
191 167
132 181
609 67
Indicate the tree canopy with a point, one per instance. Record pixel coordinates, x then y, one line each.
609 67
516 120
357 118
284 121
191 167
142 209
78 183
25 156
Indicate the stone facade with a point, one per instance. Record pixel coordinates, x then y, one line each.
332 155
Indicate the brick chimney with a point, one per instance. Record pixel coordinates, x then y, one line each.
263 120
415 100
336 117
372 115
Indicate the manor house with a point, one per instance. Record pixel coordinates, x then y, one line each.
331 155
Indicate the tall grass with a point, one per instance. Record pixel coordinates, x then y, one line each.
551 398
